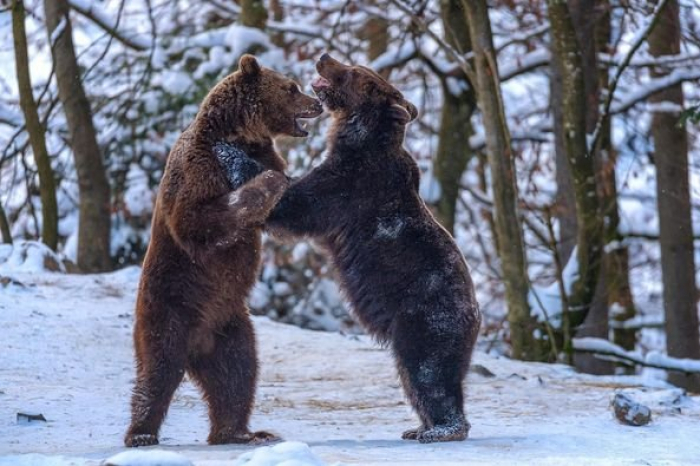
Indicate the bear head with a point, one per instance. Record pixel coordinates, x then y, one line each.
346 90
257 103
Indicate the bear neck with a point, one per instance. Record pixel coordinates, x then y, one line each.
227 118
366 129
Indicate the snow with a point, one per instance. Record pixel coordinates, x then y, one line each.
545 301
284 454
58 31
429 188
65 346
241 39
653 358
143 457
26 256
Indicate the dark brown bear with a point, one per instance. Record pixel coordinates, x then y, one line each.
402 272
191 314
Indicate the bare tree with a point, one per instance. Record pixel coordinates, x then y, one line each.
94 222
616 295
47 185
673 194
459 102
500 157
589 240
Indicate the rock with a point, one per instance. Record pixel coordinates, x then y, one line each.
481 370
629 412
147 458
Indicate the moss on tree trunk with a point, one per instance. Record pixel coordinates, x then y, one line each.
47 183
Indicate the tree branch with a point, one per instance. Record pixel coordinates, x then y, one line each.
636 43
91 12
449 50
603 347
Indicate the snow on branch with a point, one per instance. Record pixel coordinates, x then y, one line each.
449 50
92 11
680 59
525 63
637 41
652 359
652 87
58 31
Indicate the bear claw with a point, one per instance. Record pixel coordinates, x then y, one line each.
140 440
228 436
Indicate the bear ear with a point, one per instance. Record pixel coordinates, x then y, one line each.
248 65
400 114
411 109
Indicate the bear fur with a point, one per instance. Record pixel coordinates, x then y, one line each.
204 253
402 273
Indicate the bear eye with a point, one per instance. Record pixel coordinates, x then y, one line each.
293 89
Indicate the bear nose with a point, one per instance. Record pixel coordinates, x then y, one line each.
324 57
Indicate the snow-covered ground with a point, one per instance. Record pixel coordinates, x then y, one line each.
65 353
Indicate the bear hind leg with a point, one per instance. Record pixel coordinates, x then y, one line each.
227 376
160 369
432 379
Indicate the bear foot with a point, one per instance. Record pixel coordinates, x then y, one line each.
443 433
140 440
227 436
412 434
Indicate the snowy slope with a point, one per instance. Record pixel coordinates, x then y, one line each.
65 352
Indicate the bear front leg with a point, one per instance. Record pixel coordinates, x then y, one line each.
160 366
227 376
252 203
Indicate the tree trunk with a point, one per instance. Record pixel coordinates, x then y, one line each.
500 157
253 14
673 195
47 184
94 223
376 32
567 52
453 152
5 227
565 201
278 15
589 21
615 273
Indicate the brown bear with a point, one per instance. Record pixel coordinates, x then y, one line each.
204 253
402 273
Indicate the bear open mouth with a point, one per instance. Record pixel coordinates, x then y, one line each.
320 85
299 127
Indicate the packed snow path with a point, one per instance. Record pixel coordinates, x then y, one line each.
65 353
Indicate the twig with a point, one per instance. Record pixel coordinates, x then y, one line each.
112 31
612 86
454 54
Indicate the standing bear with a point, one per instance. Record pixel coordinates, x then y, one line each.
204 253
402 272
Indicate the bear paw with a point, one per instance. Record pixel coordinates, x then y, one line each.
140 440
412 434
443 433
275 182
227 436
